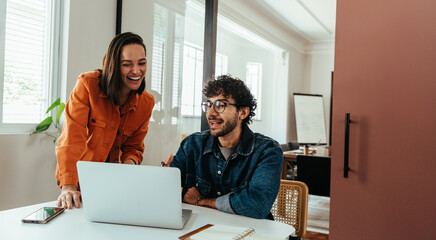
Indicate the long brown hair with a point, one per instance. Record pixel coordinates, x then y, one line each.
111 80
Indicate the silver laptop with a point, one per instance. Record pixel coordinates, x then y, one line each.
132 194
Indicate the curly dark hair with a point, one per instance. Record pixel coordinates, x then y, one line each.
229 86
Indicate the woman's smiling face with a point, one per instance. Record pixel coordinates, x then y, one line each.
133 66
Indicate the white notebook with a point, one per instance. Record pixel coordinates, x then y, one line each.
225 232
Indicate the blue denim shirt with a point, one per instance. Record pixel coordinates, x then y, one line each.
246 184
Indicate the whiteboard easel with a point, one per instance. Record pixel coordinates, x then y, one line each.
309 118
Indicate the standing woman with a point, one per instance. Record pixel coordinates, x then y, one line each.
107 115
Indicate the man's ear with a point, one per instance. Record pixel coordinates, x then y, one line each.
243 113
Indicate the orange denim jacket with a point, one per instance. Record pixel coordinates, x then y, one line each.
94 128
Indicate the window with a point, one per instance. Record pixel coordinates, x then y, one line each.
220 64
254 82
166 63
26 66
177 78
192 81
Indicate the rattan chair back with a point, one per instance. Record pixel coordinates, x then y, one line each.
290 205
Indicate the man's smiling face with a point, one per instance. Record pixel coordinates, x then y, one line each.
221 124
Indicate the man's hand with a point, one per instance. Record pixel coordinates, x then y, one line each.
69 195
167 162
191 196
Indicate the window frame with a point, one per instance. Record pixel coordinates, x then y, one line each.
52 58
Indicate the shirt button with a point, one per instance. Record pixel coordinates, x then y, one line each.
121 115
116 148
218 193
93 120
196 184
219 172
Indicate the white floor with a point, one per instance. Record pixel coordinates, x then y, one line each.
318 211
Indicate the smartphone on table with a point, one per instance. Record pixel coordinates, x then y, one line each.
43 215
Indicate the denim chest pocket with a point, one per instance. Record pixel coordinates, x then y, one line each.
239 187
204 186
96 130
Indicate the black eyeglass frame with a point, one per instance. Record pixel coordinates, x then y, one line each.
207 105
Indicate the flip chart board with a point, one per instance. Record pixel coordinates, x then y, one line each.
309 118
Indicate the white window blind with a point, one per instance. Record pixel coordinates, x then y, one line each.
160 37
26 70
166 63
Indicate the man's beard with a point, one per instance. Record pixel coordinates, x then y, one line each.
227 127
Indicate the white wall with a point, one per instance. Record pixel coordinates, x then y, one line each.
321 65
27 168
296 83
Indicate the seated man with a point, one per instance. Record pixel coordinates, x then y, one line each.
228 167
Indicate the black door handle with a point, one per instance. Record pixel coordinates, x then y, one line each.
347 144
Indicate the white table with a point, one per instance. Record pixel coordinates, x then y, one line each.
72 225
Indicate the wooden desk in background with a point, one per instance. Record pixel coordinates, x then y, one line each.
312 169
291 156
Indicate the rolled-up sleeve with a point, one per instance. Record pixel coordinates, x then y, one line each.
223 204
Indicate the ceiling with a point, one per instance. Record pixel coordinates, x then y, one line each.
313 20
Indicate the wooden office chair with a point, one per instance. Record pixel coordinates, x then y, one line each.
291 205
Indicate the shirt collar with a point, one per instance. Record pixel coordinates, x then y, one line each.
131 102
244 147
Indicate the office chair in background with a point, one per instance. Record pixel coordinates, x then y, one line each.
292 166
293 146
285 147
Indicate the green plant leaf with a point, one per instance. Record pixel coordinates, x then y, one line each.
59 112
54 104
44 125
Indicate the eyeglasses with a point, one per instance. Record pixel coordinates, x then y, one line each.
219 106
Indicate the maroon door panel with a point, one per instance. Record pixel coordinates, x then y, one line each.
385 77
